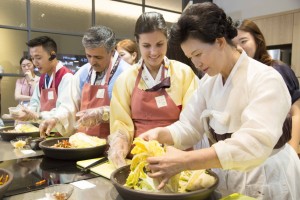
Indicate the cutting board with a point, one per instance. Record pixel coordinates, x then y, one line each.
104 169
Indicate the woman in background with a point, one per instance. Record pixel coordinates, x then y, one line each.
251 39
128 50
25 86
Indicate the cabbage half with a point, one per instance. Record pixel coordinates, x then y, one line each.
183 182
138 178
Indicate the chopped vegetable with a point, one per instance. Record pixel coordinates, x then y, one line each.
19 144
3 179
60 196
40 182
63 144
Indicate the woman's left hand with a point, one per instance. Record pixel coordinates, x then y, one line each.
168 165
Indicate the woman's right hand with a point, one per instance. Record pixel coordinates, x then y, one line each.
28 76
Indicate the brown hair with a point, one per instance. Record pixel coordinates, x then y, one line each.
130 46
261 53
149 22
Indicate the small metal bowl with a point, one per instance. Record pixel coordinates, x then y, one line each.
34 143
5 186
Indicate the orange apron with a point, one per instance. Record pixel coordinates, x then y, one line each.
95 96
48 97
151 109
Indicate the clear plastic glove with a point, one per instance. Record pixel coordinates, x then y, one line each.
46 126
161 134
24 114
93 116
119 148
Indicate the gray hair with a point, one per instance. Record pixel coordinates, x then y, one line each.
99 36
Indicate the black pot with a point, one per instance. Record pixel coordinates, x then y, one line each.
70 153
120 175
10 136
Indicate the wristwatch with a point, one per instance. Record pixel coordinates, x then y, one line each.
105 115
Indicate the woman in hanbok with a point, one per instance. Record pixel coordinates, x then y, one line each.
241 104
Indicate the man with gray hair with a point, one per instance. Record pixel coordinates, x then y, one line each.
93 83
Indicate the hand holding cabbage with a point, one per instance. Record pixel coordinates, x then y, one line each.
149 156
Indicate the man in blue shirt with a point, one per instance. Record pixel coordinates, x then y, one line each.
92 84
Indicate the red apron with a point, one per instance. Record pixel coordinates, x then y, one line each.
147 112
48 97
95 96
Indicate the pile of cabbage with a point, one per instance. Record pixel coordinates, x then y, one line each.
25 128
82 140
139 180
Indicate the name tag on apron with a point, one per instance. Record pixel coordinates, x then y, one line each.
161 101
50 95
100 94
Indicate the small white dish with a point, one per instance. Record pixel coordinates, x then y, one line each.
18 143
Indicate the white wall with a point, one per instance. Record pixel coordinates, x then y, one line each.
243 9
